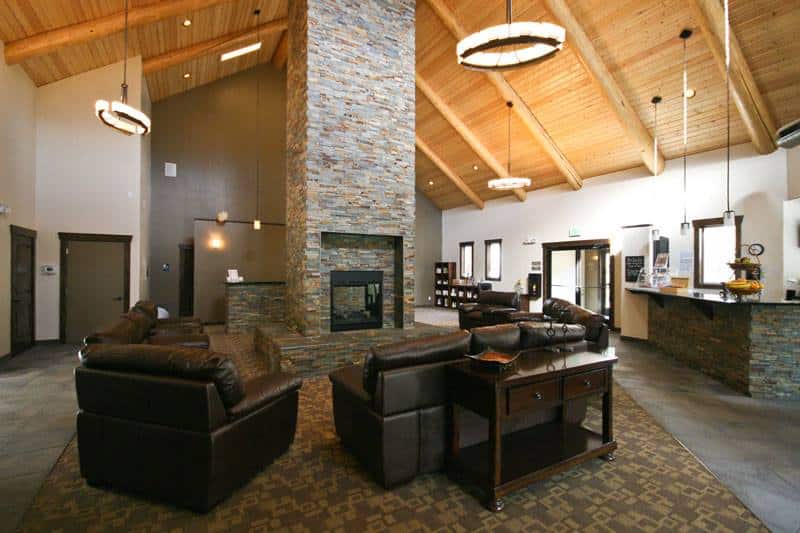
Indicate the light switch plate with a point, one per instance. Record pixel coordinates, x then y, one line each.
171 170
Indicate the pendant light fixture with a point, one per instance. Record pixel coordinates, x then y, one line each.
510 45
257 220
655 101
729 216
118 114
509 182
685 34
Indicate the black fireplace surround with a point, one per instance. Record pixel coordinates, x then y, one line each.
356 300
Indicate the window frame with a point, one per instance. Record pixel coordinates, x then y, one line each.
699 226
486 245
461 246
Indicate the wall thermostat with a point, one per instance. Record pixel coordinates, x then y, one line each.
48 270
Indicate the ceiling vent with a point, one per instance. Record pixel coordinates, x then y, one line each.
789 135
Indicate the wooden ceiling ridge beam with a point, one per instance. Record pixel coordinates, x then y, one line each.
710 17
509 94
595 66
219 44
426 149
465 132
90 30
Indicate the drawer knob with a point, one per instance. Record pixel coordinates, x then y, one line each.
537 395
587 383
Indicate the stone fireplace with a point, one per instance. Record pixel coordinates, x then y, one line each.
356 300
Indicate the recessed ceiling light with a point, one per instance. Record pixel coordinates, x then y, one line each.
474 167
690 93
430 182
187 23
240 51
187 75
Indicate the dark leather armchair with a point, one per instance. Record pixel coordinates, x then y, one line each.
178 424
562 311
390 412
491 308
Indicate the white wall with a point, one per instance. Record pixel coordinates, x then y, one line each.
17 175
606 203
793 162
88 177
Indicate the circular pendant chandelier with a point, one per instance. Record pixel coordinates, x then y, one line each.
510 45
118 114
509 182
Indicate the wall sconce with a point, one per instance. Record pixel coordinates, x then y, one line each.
215 243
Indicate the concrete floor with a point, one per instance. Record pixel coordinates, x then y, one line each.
751 445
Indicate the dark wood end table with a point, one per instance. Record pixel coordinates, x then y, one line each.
541 380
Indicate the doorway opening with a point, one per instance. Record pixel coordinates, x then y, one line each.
95 282
23 289
581 272
186 280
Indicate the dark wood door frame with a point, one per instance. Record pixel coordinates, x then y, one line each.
65 238
24 232
588 244
185 305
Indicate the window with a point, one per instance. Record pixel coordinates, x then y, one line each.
494 259
715 245
466 255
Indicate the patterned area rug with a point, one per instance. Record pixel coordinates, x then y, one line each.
654 485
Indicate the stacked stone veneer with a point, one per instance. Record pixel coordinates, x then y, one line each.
359 252
350 143
253 304
754 348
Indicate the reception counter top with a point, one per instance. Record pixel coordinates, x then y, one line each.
752 346
713 297
250 283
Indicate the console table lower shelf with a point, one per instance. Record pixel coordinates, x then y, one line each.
509 462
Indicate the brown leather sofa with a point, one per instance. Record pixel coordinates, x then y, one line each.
390 411
139 326
178 424
491 308
178 325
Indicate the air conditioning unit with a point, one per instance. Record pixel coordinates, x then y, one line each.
789 135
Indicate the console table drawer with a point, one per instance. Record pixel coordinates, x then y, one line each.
585 383
531 396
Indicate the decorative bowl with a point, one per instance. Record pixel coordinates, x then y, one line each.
493 361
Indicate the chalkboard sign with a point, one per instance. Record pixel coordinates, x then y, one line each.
633 264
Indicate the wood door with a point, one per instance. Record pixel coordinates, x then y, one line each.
23 264
95 276
186 281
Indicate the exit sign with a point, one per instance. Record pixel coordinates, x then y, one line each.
574 231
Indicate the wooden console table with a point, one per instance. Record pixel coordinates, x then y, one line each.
542 380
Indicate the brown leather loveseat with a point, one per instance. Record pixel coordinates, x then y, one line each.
178 424
390 411
491 308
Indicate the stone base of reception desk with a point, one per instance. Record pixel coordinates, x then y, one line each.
752 347
253 304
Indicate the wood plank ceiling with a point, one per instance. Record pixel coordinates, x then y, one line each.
564 123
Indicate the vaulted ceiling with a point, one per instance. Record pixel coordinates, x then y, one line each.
583 113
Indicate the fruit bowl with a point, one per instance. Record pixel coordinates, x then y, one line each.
744 287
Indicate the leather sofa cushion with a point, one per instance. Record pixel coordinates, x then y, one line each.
415 352
174 361
191 340
506 299
504 338
534 334
261 390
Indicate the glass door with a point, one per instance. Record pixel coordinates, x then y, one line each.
580 273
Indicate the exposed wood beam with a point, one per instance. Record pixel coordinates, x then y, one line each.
49 41
463 130
281 51
710 17
594 65
220 44
449 172
508 93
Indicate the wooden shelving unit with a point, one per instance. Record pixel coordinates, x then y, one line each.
448 290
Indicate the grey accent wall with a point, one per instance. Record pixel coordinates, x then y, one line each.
210 132
428 229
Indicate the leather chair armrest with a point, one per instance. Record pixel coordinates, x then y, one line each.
262 390
350 378
468 308
500 310
190 341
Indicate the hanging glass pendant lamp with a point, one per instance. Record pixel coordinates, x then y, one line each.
509 182
257 220
510 45
118 114
655 101
685 34
729 216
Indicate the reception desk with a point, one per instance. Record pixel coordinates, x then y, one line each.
250 304
754 347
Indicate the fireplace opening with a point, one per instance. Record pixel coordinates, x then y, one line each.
356 300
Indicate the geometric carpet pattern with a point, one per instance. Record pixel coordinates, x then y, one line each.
654 485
